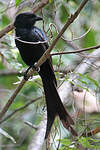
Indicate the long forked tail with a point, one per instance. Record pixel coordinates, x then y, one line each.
55 107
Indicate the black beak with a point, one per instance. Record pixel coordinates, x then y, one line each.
38 18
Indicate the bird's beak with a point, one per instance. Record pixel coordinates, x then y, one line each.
38 18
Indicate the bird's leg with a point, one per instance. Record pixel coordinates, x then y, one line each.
33 67
36 68
25 73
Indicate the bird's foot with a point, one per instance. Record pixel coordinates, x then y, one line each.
33 67
25 73
36 68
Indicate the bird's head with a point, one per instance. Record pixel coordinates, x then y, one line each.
26 19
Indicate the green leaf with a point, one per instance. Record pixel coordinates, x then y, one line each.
86 79
50 1
7 135
66 142
93 81
17 2
84 141
90 39
5 20
84 82
63 13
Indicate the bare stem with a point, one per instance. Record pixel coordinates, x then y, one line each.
19 109
76 51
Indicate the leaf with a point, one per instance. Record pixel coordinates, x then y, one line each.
84 82
50 1
65 142
63 13
94 81
5 20
17 2
89 39
4 133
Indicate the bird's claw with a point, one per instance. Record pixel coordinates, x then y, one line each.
36 68
25 74
33 67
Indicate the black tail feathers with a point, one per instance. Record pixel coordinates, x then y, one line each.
55 107
54 104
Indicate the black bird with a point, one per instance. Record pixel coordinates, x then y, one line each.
27 33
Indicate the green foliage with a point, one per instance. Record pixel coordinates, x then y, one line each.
50 1
63 13
87 81
18 2
67 144
89 39
86 142
4 133
4 21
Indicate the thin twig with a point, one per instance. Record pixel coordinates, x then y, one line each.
11 73
5 30
65 69
31 125
80 37
11 99
76 51
19 109
40 5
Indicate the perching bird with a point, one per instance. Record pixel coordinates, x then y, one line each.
27 33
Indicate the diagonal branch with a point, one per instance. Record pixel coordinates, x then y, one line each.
40 5
19 109
6 30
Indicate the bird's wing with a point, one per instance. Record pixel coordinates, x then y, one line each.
39 36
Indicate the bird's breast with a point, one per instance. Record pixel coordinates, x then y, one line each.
30 53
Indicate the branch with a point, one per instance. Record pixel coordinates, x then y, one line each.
76 51
31 125
40 5
38 139
6 30
11 99
10 72
65 70
78 38
19 109
69 42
